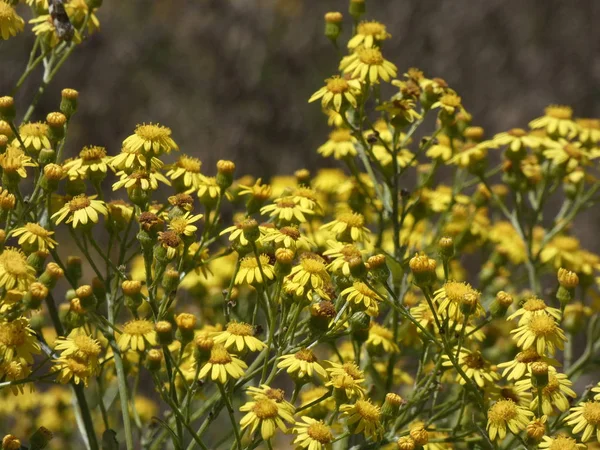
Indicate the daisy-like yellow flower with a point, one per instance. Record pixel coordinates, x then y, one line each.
137 335
540 332
72 368
34 135
151 139
288 237
585 418
129 160
571 153
208 189
346 387
589 131
222 365
469 155
474 366
81 209
185 173
92 161
338 91
534 306
77 10
347 368
240 336
348 226
10 22
381 340
342 255
142 179
265 391
364 417
313 434
368 63
506 414
302 364
310 273
267 414
519 366
341 144
34 237
554 394
80 345
15 162
561 442
369 34
250 271
323 407
184 225
15 370
449 103
516 140
362 297
15 272
441 150
18 341
596 390
454 294
556 121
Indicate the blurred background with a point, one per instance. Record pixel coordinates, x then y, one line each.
232 77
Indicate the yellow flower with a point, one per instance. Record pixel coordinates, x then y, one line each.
362 297
81 209
250 271
151 139
346 386
208 189
72 368
449 103
79 345
15 370
34 135
474 366
348 226
310 273
137 335
534 306
585 417
320 409
338 91
287 237
15 272
239 335
35 237
369 34
519 366
441 150
44 27
589 131
183 225
77 10
313 434
10 22
561 442
302 364
364 417
18 341
265 391
14 161
187 172
91 161
515 140
571 153
452 295
347 368
342 255
541 332
222 365
340 144
368 63
381 340
130 160
506 413
554 394
142 179
469 155
267 414
556 121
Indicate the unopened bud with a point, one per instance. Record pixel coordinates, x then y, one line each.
68 102
164 332
7 108
225 171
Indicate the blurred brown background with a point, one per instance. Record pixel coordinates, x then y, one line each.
232 77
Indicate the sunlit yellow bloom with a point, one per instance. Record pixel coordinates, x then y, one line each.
287 237
519 366
515 140
571 153
81 210
363 417
441 150
187 172
534 306
554 394
348 226
15 272
454 294
72 368
506 414
92 160
267 414
302 364
14 161
369 34
469 154
77 10
222 365
79 345
15 370
340 144
184 224
313 434
130 160
362 297
33 134
556 121
449 103
251 271
35 237
10 22
541 332
368 64
381 340
240 336
585 418
142 179
474 366
150 138
338 91
18 341
208 188
342 255
561 442
589 131
137 335
310 273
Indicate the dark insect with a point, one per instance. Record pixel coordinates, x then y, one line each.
60 20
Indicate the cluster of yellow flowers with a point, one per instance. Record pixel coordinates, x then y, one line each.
386 303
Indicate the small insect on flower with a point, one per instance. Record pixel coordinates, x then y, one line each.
34 135
348 226
18 341
310 273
